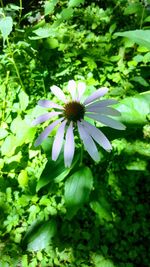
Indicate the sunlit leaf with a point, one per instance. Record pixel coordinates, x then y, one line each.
134 110
39 235
23 100
8 146
49 7
6 24
141 37
45 32
23 178
3 133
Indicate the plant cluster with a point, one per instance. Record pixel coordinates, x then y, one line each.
92 213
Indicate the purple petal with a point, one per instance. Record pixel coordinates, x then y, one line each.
96 95
88 142
58 93
48 104
107 121
69 146
45 117
72 89
97 135
105 110
81 89
103 103
46 132
58 141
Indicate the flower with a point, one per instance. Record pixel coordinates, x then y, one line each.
73 114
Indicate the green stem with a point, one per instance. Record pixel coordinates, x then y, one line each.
11 52
5 83
142 17
20 11
44 87
15 65
1 2
81 156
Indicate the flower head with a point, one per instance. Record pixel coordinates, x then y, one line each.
73 114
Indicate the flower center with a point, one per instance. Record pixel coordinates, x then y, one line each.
74 111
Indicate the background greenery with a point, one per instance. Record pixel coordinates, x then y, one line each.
43 220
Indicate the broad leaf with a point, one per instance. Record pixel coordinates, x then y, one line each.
141 37
77 189
134 110
6 25
39 235
49 7
45 32
54 171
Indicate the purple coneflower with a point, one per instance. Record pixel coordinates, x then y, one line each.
72 115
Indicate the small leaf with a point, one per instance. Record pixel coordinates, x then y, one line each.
141 37
49 7
101 208
3 133
23 100
77 189
100 261
23 178
67 13
73 3
45 32
6 25
8 146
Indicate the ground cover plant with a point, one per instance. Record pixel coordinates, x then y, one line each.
74 189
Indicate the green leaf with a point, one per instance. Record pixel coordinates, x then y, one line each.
54 171
140 80
73 3
77 189
133 8
141 37
6 25
102 209
8 146
23 178
40 234
23 100
3 133
45 32
49 7
23 130
66 13
100 261
134 110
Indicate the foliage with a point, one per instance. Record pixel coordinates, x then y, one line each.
94 214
